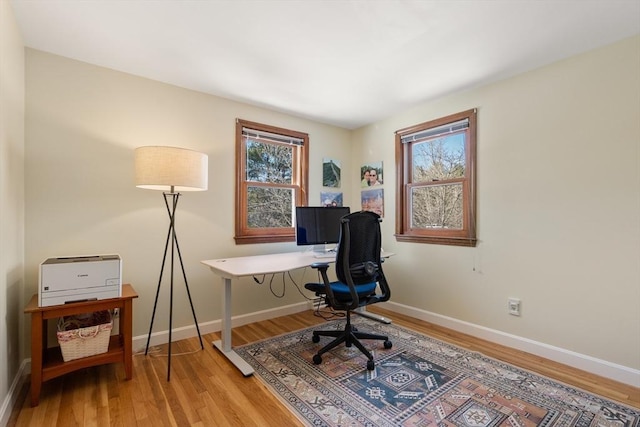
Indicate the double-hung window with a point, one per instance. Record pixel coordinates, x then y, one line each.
271 180
435 197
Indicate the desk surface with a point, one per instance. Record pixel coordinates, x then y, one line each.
266 264
262 264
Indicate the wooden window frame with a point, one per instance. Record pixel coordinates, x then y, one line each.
243 233
404 233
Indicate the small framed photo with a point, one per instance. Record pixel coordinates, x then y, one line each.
373 200
371 174
330 199
331 172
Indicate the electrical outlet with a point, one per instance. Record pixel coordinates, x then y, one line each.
514 305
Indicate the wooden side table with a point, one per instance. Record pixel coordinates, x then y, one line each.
47 363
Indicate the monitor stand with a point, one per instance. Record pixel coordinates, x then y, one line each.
324 251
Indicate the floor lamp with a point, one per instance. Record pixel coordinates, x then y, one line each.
171 170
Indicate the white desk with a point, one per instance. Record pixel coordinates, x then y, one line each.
234 268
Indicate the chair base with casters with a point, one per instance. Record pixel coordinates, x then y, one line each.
349 336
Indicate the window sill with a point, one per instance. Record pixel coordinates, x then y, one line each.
437 240
247 240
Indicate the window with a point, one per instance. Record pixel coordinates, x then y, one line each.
271 180
435 197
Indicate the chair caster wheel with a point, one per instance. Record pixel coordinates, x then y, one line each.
388 344
315 338
371 365
317 359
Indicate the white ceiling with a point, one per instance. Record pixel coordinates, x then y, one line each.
347 63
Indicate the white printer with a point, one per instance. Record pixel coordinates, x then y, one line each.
81 278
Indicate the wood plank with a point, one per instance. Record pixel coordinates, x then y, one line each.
206 390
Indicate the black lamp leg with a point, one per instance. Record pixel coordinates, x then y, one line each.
155 303
171 210
184 275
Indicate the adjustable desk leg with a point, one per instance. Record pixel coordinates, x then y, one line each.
226 316
362 311
224 345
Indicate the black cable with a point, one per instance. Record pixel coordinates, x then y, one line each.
271 286
298 286
327 315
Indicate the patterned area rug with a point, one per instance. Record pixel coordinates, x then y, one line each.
420 381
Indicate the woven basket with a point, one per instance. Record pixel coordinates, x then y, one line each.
84 335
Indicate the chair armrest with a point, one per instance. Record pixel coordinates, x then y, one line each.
320 265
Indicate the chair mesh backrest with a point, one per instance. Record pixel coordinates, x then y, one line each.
360 242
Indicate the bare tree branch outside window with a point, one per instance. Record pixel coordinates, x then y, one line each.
436 161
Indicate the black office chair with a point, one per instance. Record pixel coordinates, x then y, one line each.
359 272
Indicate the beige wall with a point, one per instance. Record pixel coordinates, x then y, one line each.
83 123
11 202
558 208
558 196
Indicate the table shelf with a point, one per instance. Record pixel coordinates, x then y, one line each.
47 363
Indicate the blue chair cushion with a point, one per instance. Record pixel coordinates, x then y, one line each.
363 290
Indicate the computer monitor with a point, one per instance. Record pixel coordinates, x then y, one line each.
319 225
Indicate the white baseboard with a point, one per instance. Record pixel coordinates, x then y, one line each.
599 367
140 342
14 391
586 363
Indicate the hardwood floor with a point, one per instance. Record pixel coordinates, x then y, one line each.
206 390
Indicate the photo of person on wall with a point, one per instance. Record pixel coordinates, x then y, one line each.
371 174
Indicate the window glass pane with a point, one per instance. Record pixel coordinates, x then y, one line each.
439 158
269 207
437 207
271 163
